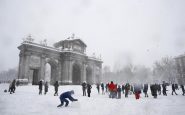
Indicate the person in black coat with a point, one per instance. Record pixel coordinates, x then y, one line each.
173 89
106 87
12 86
159 89
145 90
153 89
102 88
119 92
176 87
123 88
89 90
84 86
40 87
127 88
182 87
56 85
64 96
46 86
98 87
164 88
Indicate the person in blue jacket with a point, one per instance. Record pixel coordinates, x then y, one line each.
64 96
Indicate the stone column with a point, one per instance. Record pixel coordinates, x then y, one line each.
65 72
24 66
56 72
42 68
93 74
100 74
84 73
21 66
59 69
70 71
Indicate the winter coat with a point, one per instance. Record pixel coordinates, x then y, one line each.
84 85
40 85
102 86
56 85
13 83
46 87
182 86
173 87
145 88
127 87
176 86
89 88
137 88
98 86
119 90
67 95
123 87
111 86
153 90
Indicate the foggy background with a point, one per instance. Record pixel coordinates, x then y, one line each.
124 32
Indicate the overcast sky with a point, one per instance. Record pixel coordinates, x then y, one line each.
122 31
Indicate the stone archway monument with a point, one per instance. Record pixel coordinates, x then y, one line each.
68 60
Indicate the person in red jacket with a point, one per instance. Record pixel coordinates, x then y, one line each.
111 89
137 90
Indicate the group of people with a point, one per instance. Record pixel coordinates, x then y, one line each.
46 86
111 88
86 88
156 89
115 90
102 88
63 97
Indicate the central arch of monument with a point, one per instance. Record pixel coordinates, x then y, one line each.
67 59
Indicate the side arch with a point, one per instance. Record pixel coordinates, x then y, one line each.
53 70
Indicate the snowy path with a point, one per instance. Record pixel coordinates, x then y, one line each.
26 101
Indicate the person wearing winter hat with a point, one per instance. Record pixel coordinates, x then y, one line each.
64 96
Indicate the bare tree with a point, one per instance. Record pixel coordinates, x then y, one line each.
129 73
9 75
165 69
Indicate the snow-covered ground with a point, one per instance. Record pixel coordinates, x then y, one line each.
26 101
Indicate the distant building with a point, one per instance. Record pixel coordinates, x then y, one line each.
67 59
180 63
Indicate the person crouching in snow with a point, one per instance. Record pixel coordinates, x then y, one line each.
64 96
